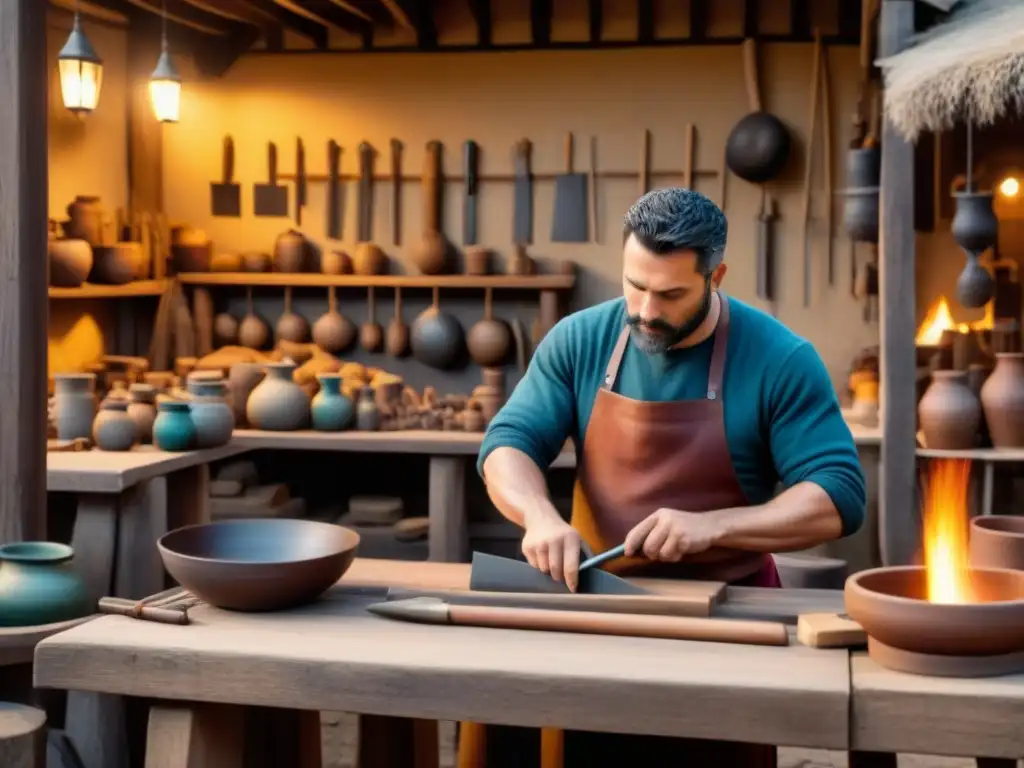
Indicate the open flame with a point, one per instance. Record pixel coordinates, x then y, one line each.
939 318
946 531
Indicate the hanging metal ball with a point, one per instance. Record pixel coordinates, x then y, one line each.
975 286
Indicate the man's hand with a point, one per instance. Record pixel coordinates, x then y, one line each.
669 535
552 546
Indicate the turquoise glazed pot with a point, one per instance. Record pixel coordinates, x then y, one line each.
331 410
39 586
173 429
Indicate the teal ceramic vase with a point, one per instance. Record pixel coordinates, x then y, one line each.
173 429
331 410
39 586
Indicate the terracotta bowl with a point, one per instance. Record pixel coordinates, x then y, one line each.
997 541
889 604
260 564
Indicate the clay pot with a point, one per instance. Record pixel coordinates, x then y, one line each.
436 338
142 410
949 413
861 214
291 326
975 286
225 329
85 220
397 336
291 252
242 380
252 331
74 404
333 332
520 263
367 412
277 403
369 260
889 603
997 541
864 166
331 411
118 264
173 429
430 255
975 226
113 429
191 250
478 260
70 262
490 400
1002 397
226 262
255 261
211 414
489 340
38 585
335 263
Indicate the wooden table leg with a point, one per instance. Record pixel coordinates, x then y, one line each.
397 742
22 736
94 539
195 736
449 528
995 762
143 520
872 759
188 496
282 737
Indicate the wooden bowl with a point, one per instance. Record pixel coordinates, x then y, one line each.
258 564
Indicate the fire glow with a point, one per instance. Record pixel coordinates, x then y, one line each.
939 318
946 532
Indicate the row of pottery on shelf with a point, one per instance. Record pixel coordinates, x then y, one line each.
38 585
279 404
958 404
135 416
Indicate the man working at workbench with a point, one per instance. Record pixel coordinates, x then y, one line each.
687 409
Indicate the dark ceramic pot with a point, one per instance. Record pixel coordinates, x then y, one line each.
1002 397
949 413
758 147
863 167
975 226
860 214
291 252
38 585
975 286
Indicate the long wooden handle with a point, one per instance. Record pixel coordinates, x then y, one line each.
432 189
229 159
625 625
568 152
689 140
750 74
645 162
272 163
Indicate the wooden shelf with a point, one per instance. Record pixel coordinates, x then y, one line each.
974 454
311 280
97 291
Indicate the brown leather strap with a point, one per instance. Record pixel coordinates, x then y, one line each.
716 372
615 361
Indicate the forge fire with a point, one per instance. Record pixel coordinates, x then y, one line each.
946 532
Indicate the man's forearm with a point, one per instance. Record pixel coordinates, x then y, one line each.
517 486
800 517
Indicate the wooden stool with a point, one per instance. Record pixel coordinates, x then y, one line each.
798 571
22 736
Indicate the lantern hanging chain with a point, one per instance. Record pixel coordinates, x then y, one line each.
969 186
163 25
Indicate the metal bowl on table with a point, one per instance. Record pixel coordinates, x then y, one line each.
258 564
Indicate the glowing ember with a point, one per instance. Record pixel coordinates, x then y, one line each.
939 318
946 531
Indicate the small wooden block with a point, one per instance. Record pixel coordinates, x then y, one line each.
225 489
374 510
829 630
412 528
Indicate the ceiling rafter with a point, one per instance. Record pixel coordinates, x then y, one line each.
314 31
540 21
92 11
328 13
399 14
186 15
481 10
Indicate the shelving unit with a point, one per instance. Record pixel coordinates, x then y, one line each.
312 280
97 291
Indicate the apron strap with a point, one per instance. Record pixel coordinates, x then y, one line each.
716 372
612 372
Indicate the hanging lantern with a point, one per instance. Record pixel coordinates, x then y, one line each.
165 88
81 71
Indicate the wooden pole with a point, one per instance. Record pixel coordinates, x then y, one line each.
23 269
898 527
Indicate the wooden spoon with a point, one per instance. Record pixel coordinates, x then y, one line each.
398 331
291 326
252 332
489 340
371 335
431 255
333 332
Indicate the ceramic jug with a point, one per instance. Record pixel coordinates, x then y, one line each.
38 585
949 412
1002 397
211 414
113 429
173 429
74 404
277 403
331 410
367 412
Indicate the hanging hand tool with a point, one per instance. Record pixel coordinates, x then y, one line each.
226 195
469 202
645 163
766 249
396 191
522 212
365 192
570 218
593 189
270 199
689 143
301 188
333 190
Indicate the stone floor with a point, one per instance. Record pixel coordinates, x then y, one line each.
339 738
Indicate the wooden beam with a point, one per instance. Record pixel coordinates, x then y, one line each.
23 269
849 19
92 11
214 58
645 21
233 10
595 14
328 13
481 10
751 18
312 30
800 19
540 21
183 14
422 16
698 20
898 510
352 8
399 14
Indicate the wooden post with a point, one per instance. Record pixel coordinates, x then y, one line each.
23 269
898 503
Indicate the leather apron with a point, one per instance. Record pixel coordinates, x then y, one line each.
637 457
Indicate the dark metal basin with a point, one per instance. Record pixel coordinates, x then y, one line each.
258 565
